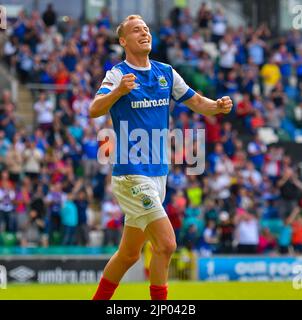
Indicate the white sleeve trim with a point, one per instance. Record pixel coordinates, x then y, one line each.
112 77
179 86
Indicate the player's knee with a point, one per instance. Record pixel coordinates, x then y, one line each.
166 248
128 258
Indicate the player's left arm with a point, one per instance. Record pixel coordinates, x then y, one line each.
181 92
209 107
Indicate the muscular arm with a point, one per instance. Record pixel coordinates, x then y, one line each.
209 107
102 103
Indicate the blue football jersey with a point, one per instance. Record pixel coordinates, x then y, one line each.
143 113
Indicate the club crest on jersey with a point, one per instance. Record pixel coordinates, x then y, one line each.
137 86
147 202
162 81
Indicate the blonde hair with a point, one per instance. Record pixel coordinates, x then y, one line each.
120 28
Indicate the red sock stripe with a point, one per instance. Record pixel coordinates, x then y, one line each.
159 292
105 290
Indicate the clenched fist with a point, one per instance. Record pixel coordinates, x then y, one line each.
224 105
127 84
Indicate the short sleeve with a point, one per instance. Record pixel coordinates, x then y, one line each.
181 91
111 81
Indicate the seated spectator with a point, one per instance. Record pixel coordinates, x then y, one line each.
33 233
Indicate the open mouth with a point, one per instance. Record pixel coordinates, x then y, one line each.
145 41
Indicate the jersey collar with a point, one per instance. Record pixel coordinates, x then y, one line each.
137 68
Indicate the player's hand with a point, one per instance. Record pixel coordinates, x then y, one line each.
224 105
127 84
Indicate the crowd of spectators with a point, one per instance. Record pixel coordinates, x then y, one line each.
249 199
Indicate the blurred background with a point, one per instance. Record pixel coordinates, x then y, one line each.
240 220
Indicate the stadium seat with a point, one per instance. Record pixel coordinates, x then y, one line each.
283 135
56 239
8 239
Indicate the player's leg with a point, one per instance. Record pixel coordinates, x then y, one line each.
161 234
128 253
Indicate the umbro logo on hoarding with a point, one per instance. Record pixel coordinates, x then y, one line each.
22 273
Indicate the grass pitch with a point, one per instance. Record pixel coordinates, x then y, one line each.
140 291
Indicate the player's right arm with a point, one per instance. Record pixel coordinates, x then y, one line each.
103 102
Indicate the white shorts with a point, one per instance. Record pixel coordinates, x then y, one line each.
140 198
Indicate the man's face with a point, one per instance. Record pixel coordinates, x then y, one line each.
136 37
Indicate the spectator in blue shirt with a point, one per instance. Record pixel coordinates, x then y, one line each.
69 218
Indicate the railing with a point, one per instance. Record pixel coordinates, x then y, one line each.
49 87
10 81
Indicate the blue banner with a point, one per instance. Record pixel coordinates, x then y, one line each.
256 268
